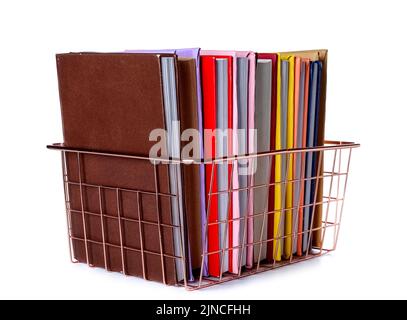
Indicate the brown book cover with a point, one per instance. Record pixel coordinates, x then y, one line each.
188 107
111 102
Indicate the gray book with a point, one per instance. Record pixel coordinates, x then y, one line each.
312 106
262 174
174 150
242 125
222 151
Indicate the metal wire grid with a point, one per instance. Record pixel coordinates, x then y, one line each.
334 158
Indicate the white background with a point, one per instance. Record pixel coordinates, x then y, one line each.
366 103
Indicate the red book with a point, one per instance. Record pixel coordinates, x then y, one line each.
208 66
229 245
230 154
270 221
208 70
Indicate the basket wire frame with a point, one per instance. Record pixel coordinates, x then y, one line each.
333 162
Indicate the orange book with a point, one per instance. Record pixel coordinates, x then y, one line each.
298 113
306 65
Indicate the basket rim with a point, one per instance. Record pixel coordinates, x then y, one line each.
328 145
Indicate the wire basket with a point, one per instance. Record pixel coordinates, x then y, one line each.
96 226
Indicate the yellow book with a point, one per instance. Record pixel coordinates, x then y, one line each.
278 230
290 144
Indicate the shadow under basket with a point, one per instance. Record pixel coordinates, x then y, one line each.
129 227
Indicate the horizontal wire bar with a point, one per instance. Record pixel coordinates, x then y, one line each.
274 211
330 145
248 272
332 199
122 189
329 225
283 182
125 247
125 219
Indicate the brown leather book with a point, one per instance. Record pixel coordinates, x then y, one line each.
111 103
188 107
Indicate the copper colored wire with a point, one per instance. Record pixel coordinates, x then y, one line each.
326 170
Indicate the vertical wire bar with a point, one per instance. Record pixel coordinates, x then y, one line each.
225 233
264 212
205 253
329 202
102 223
295 233
343 198
159 221
243 246
181 229
337 193
281 225
250 214
82 207
294 206
276 240
303 180
67 204
119 218
287 209
317 177
141 236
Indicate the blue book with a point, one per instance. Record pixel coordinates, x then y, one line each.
311 164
